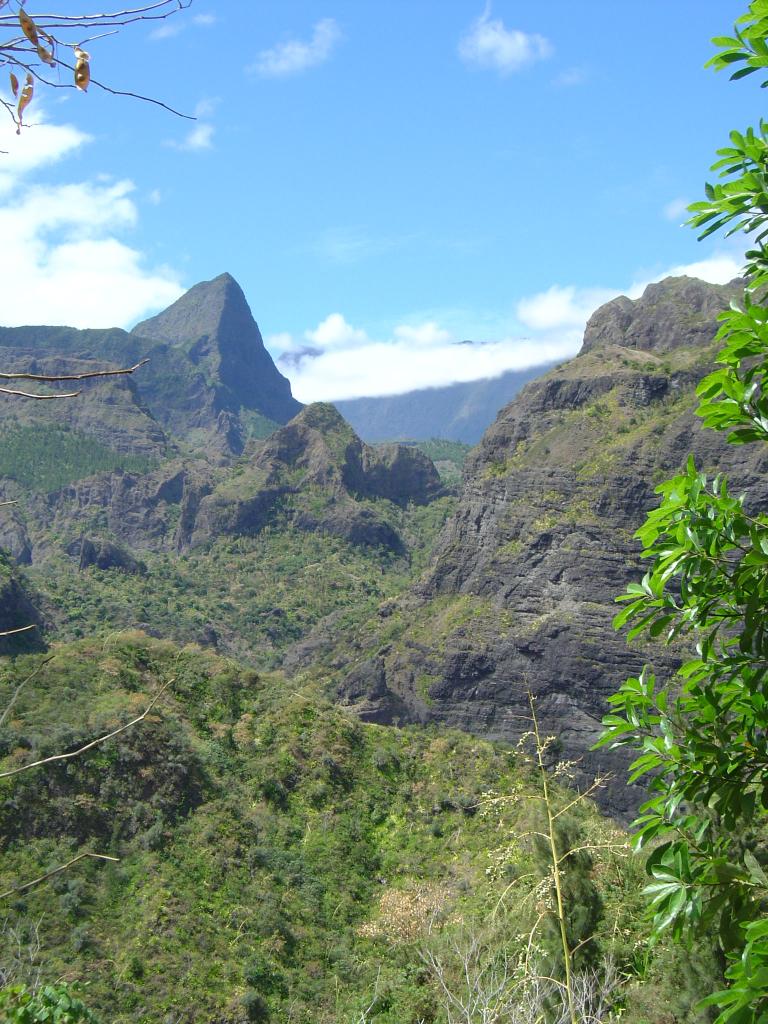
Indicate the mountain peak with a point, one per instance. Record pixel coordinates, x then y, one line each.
678 312
213 324
200 311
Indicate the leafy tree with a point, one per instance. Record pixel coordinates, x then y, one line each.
702 738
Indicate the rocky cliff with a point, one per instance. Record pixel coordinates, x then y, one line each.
316 472
213 327
521 591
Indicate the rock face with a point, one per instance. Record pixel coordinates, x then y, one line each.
17 611
313 474
521 591
103 554
675 313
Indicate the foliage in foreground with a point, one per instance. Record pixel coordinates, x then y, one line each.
52 1004
702 739
278 856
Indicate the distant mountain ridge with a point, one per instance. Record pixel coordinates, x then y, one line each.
457 412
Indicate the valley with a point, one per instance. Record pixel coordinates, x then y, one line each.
336 793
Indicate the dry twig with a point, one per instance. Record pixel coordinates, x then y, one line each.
93 743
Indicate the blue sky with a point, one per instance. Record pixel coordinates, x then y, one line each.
384 179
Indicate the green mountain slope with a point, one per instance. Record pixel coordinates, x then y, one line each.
307 525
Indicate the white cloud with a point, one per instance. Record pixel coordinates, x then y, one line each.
35 147
335 332
64 263
569 307
295 55
347 245
719 268
337 360
175 26
559 307
676 210
167 30
198 138
206 107
489 44
571 77
424 334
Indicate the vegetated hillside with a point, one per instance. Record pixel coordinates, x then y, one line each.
521 591
245 557
208 382
448 456
280 860
459 412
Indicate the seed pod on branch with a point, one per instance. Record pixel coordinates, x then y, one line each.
82 69
46 55
24 100
28 27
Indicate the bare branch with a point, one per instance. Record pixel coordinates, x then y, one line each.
31 394
126 17
20 629
20 53
23 683
49 378
105 88
93 743
56 871
54 378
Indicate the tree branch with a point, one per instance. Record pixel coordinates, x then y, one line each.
54 378
93 743
24 681
71 376
20 629
31 394
56 871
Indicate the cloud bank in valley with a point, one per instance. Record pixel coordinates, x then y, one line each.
337 360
